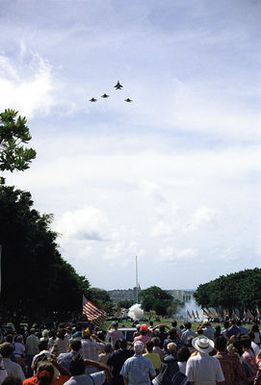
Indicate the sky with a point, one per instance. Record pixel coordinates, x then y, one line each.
173 177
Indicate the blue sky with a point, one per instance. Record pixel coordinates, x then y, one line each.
173 177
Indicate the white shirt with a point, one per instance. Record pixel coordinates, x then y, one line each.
87 379
182 367
255 348
13 369
203 369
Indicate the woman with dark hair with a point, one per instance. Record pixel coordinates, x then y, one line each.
79 377
183 355
46 375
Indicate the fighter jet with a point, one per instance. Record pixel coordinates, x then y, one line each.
105 96
128 100
118 86
93 100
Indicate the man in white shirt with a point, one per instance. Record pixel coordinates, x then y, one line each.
203 369
12 368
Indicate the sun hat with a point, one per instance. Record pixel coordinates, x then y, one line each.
143 328
203 344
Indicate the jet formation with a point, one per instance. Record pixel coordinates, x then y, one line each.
118 86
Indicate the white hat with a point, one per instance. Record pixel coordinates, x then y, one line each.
203 344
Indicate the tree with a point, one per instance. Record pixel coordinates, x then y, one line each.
36 281
154 298
101 298
239 290
14 133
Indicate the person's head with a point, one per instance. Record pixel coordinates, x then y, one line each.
77 366
162 328
199 330
61 333
189 341
234 322
183 354
174 323
239 323
9 338
203 344
171 348
149 346
221 343
138 348
246 343
115 325
156 341
32 331
20 339
143 329
108 348
45 333
187 325
6 349
45 373
75 345
11 380
43 345
52 333
172 333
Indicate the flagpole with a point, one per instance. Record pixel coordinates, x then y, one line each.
137 281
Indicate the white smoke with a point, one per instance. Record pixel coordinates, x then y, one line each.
182 312
136 312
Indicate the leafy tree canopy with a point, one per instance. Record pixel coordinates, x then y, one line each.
239 290
154 298
36 281
101 298
14 134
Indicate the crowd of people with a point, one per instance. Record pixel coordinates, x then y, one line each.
158 355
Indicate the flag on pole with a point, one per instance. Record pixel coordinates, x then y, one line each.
92 312
193 314
197 314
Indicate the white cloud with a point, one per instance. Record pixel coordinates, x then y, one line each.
28 86
173 255
202 216
86 224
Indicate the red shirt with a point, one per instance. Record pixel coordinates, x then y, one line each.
56 381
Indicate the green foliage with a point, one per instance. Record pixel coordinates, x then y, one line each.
13 135
238 290
126 304
36 281
101 298
154 298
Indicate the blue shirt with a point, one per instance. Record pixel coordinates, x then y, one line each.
138 370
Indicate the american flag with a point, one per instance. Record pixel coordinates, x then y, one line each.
92 313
